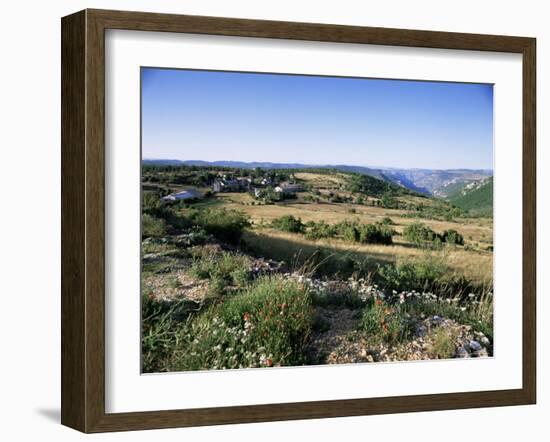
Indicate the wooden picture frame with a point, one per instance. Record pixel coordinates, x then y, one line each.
83 220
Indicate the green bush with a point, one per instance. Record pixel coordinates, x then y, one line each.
266 325
388 201
288 223
419 233
152 227
349 231
452 237
321 230
374 234
226 225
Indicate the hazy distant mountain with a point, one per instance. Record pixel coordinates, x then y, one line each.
441 183
436 182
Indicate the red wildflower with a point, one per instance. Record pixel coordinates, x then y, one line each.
269 362
246 317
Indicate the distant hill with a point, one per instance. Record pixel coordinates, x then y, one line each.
433 182
475 197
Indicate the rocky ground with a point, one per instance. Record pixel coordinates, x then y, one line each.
342 343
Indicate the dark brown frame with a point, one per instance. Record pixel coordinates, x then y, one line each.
83 216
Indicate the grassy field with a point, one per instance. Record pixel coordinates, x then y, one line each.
474 265
473 260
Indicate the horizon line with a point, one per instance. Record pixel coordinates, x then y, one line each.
320 165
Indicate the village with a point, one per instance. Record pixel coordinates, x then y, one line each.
264 187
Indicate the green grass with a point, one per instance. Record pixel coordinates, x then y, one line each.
406 275
152 226
160 321
207 203
384 322
223 269
312 258
479 314
443 346
268 324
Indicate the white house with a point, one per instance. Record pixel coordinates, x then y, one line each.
187 194
287 188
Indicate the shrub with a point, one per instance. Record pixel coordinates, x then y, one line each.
321 230
373 234
152 227
267 325
408 275
387 221
152 204
382 321
226 225
349 231
388 201
419 233
288 223
452 237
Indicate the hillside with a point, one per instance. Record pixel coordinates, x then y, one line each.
434 182
476 198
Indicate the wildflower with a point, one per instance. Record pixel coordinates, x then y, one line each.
246 317
269 362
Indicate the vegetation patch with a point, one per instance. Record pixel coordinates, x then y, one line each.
266 325
225 269
420 234
289 223
384 322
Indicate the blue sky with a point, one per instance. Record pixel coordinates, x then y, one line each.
204 115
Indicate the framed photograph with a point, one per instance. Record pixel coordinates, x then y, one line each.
267 220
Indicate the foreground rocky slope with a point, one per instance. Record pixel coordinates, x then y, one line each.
353 320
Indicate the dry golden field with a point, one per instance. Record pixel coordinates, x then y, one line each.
473 260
